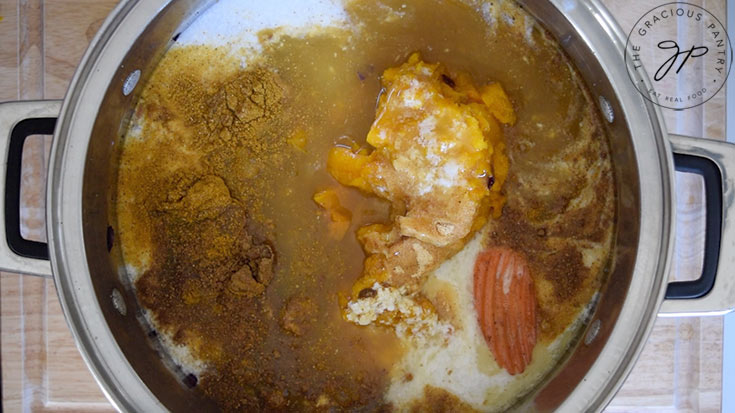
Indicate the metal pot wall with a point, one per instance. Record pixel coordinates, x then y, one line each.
100 309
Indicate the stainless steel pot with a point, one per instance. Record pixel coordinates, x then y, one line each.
100 309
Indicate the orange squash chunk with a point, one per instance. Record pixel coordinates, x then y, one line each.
339 216
498 102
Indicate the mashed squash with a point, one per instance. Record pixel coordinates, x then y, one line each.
438 156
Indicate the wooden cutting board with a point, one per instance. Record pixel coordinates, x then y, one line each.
41 42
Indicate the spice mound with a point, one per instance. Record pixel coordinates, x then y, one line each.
205 232
227 272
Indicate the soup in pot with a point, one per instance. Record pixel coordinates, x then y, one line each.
367 205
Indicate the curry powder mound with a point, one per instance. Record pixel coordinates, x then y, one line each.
192 190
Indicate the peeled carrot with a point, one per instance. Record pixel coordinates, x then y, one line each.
505 302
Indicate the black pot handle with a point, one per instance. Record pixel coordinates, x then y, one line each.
713 227
18 120
714 291
21 131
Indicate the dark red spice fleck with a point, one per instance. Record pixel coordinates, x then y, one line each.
490 182
367 293
449 81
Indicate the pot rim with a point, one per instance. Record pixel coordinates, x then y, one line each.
654 160
84 315
82 311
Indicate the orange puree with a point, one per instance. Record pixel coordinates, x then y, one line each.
439 158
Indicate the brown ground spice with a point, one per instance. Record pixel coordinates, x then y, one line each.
192 194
